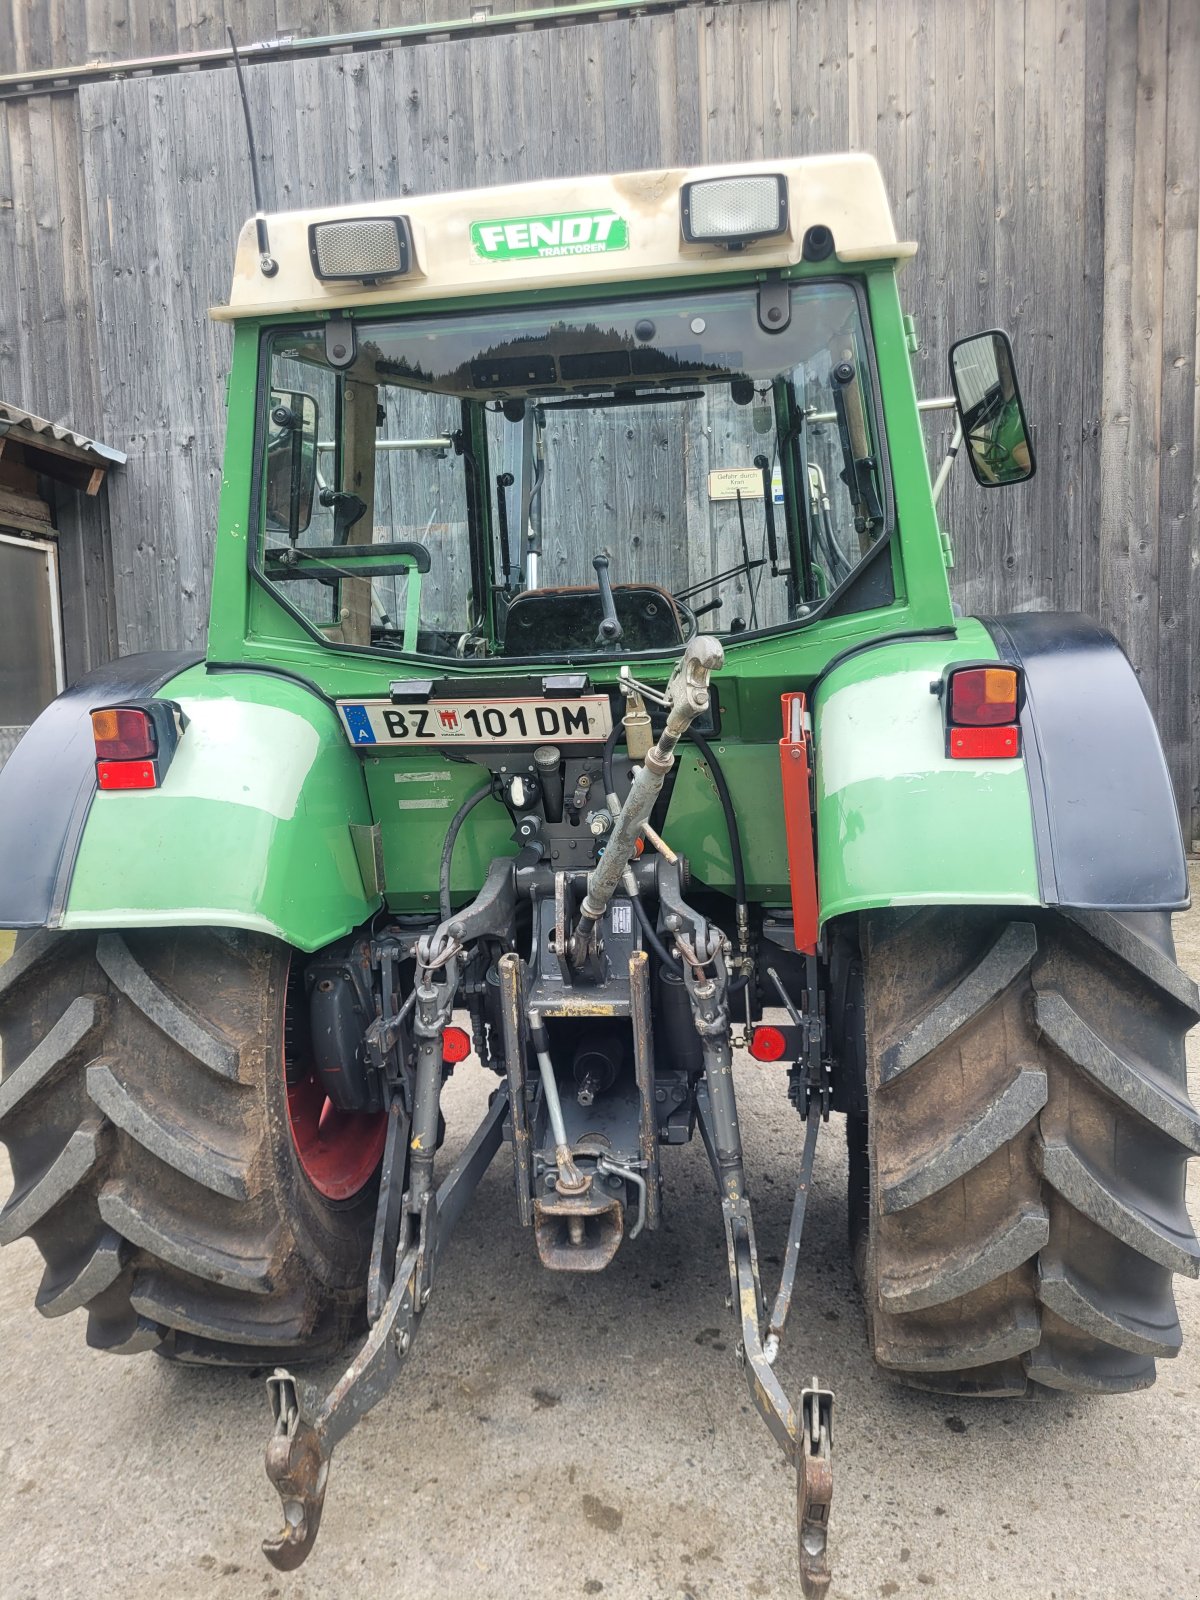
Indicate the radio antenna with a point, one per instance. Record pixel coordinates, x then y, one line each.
267 263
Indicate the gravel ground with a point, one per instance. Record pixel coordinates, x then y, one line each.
574 1436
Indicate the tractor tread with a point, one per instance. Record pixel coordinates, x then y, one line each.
1115 1372
229 1319
172 1239
143 1103
1001 1119
1126 1081
950 1276
1005 1234
30 1205
33 951
123 1334
1158 969
1008 957
82 1280
977 1342
166 1011
175 1144
1169 1242
75 1029
1076 1303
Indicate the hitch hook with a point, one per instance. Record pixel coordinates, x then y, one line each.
814 1487
298 1467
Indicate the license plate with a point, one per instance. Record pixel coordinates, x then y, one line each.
469 722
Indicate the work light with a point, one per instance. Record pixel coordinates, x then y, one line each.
733 211
360 247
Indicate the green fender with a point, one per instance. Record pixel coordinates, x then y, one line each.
898 822
249 829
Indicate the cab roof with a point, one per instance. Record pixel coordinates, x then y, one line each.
483 241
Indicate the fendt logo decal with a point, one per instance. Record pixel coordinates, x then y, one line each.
574 233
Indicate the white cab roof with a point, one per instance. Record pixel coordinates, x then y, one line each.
483 241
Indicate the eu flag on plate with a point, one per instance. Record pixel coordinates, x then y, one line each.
359 724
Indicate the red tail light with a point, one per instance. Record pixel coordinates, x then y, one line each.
124 734
983 702
456 1045
983 697
135 743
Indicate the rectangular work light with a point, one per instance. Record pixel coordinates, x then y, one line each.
364 248
733 211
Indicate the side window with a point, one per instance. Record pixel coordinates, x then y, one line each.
845 492
421 499
293 377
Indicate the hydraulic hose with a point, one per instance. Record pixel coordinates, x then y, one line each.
452 832
735 851
651 936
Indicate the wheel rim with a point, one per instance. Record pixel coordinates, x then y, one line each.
339 1151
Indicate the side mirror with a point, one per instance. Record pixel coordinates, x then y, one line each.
997 437
291 461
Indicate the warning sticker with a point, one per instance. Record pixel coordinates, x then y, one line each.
727 482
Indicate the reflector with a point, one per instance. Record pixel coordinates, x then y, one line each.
126 775
123 734
456 1044
986 744
768 1044
734 210
362 247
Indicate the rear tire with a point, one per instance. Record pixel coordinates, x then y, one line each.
1028 1135
144 1106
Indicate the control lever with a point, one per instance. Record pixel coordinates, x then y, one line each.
610 630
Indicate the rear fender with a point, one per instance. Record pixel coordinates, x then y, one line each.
898 822
250 827
1085 817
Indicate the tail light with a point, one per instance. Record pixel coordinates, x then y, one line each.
135 743
983 697
983 701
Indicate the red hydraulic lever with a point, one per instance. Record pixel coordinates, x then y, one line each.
795 763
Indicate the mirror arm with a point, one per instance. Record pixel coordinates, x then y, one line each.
939 482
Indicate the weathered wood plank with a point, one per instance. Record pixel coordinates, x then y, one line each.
1137 35
1092 291
1179 486
965 74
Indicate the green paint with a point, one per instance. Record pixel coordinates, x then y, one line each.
570 233
250 829
898 822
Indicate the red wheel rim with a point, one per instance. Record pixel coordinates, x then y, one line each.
339 1150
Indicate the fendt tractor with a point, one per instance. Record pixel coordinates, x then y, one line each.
584 700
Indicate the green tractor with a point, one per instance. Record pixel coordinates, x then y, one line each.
584 699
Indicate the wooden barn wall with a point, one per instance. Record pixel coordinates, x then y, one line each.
66 33
1044 154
